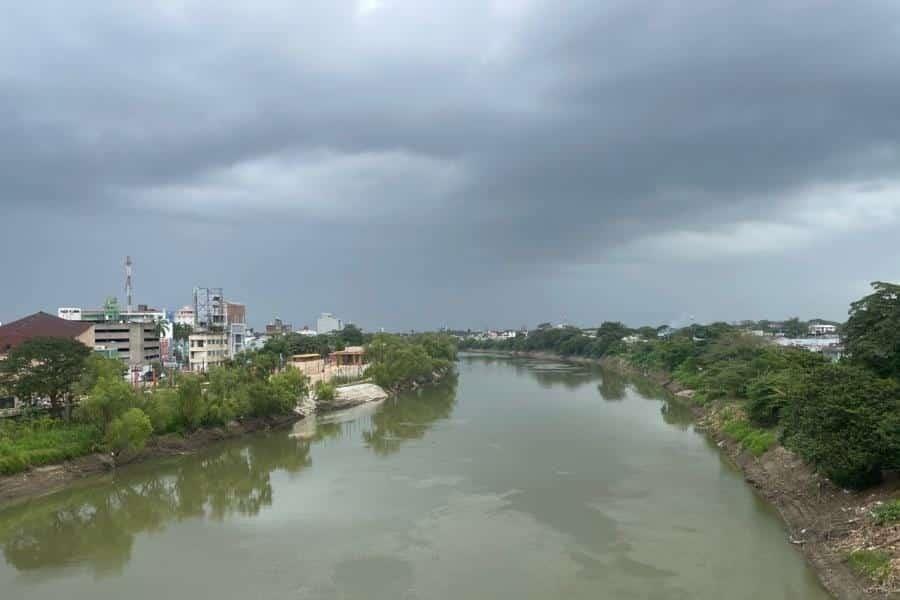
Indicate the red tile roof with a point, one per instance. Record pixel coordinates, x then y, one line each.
39 324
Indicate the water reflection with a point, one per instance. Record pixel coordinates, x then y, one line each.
410 416
96 526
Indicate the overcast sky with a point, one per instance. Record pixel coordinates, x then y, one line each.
418 163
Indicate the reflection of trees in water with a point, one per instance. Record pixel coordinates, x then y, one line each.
410 416
612 386
678 414
96 525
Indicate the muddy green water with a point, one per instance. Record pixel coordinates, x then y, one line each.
519 479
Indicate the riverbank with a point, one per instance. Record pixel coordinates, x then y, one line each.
45 480
824 521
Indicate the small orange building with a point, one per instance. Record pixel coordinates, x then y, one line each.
307 363
349 356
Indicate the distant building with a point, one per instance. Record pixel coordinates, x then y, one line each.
308 364
822 329
236 319
306 331
112 312
41 324
209 308
185 316
327 323
207 349
278 327
135 344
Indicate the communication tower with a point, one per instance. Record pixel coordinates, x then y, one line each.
129 291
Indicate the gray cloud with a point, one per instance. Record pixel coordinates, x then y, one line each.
420 163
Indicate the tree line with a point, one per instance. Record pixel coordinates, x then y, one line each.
843 418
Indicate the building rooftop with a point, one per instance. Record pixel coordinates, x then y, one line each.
351 350
40 324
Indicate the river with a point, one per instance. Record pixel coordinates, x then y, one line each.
517 479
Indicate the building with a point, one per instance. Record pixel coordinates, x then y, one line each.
327 323
185 316
306 331
236 327
209 309
278 327
207 349
349 356
308 364
235 312
135 344
112 312
822 329
42 324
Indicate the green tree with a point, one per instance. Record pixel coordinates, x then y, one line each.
181 331
872 333
107 400
289 387
45 368
190 407
844 420
351 335
129 432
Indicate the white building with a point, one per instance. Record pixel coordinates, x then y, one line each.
822 329
185 316
207 349
327 323
69 313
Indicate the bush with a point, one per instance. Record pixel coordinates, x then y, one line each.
843 419
325 392
12 463
290 387
109 398
887 513
874 564
129 432
162 409
189 404
757 441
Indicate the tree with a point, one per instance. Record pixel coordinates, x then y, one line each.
107 400
129 432
844 420
872 333
46 368
181 331
351 335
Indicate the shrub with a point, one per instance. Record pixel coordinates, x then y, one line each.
290 386
325 392
757 441
162 408
887 513
262 399
874 564
109 398
129 432
190 407
843 420
12 463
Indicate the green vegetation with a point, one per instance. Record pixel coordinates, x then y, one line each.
757 441
403 361
42 441
325 392
872 333
874 564
45 368
888 513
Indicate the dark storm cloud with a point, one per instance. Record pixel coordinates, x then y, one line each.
506 148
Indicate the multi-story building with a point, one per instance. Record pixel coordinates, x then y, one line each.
327 323
278 327
236 318
207 349
112 312
135 344
41 324
209 309
185 316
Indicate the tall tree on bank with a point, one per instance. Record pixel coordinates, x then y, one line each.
872 333
46 368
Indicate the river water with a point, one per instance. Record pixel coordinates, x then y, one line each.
518 479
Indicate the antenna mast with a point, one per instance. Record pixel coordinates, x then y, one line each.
129 291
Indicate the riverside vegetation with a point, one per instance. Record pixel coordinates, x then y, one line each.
114 417
842 418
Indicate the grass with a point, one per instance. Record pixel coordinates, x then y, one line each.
887 513
757 441
874 564
37 442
